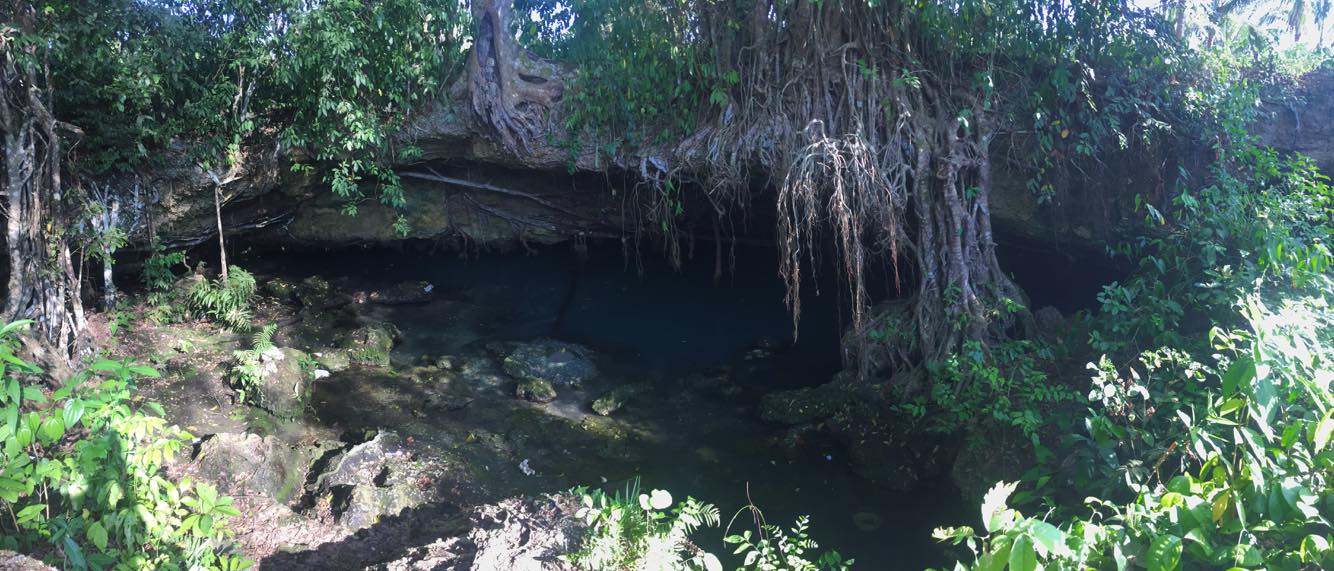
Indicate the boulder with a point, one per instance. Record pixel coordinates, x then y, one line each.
284 382
558 363
363 464
404 293
334 360
536 390
11 561
1050 323
371 343
248 464
612 400
518 534
364 506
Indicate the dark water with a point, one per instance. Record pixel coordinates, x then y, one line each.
656 327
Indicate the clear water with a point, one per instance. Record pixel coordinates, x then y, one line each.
659 328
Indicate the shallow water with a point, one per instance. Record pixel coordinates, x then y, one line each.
657 328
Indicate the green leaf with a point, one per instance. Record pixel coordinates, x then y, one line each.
1048 538
98 535
1164 553
995 514
1022 556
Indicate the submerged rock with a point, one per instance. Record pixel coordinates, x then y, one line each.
612 400
248 464
518 534
536 390
558 363
404 293
805 405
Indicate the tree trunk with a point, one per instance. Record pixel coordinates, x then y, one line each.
222 242
42 284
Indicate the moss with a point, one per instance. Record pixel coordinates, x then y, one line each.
536 390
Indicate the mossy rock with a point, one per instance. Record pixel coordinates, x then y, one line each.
334 360
280 289
284 383
248 464
559 363
371 344
615 399
536 390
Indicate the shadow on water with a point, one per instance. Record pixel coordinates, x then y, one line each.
661 328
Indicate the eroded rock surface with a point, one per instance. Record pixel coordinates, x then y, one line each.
517 534
556 362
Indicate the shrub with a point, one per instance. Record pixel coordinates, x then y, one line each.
247 373
632 531
225 301
81 475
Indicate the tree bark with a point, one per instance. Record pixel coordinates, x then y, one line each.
43 286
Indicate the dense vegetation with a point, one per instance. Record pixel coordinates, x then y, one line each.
1198 438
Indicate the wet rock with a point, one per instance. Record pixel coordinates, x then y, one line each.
15 562
805 405
715 382
284 383
561 364
536 390
405 293
518 534
612 400
248 464
867 521
371 343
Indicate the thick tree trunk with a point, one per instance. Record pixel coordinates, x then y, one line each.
42 284
512 91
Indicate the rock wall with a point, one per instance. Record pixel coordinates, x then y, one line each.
1304 122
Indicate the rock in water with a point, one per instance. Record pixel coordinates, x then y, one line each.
612 400
405 293
561 364
536 390
371 343
867 521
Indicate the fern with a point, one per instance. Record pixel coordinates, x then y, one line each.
247 372
634 531
225 301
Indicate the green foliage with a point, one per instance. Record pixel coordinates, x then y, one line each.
1004 383
226 302
774 549
157 273
631 531
247 373
81 474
